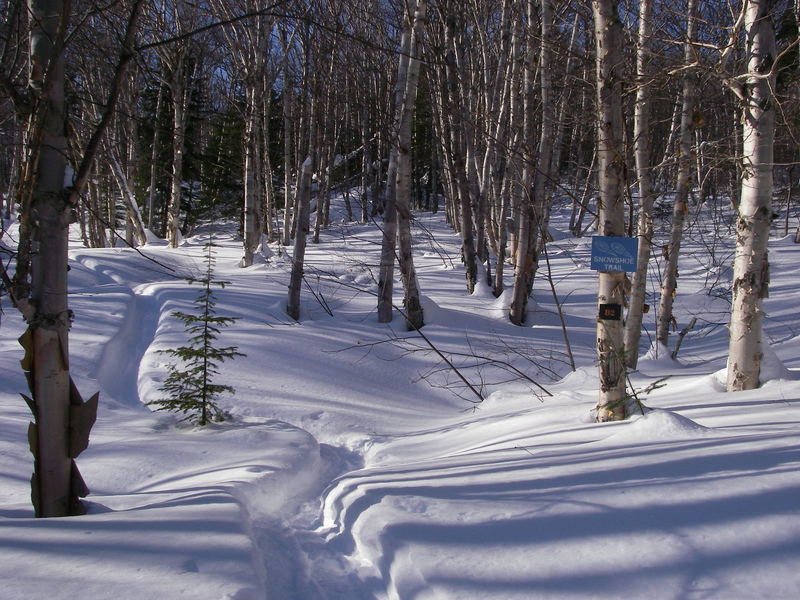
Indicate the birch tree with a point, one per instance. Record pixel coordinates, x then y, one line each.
535 212
611 176
408 274
754 211
522 202
250 42
154 150
310 90
49 216
684 184
641 149
405 93
178 57
286 106
180 98
62 419
301 231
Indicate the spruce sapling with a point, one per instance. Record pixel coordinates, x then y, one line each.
189 382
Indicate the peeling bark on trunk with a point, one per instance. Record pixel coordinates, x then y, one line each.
751 267
611 171
51 217
62 419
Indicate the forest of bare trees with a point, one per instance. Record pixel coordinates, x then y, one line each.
158 116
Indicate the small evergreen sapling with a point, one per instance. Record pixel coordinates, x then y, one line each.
189 383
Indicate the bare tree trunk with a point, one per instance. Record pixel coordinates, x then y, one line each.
97 231
366 163
179 100
577 226
389 238
558 143
267 190
154 162
684 185
134 216
52 491
62 421
611 170
459 175
327 155
497 82
411 299
751 267
286 105
531 212
303 217
544 174
641 148
665 170
252 209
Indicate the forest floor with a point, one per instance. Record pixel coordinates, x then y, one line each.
355 463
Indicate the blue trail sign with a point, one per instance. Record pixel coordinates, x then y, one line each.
610 253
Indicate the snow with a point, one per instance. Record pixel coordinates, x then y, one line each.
356 465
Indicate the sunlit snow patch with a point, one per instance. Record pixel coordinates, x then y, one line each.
659 424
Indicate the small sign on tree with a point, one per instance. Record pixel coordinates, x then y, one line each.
610 312
614 254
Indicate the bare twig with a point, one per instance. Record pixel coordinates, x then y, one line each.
682 335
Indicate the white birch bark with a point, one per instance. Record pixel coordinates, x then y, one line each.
408 274
544 173
389 238
366 163
154 162
180 99
611 172
134 215
751 267
252 210
669 283
287 144
533 213
250 46
566 97
265 179
641 149
303 217
62 421
496 83
459 158
50 385
300 238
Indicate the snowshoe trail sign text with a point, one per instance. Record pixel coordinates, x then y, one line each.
610 253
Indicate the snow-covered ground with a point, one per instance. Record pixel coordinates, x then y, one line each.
356 465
